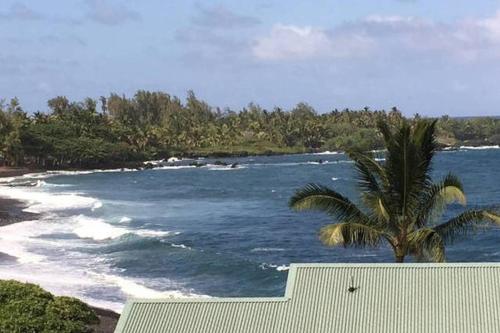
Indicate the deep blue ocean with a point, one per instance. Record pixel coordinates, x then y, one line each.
210 231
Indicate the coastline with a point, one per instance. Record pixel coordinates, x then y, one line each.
12 211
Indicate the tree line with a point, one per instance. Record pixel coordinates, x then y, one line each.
116 130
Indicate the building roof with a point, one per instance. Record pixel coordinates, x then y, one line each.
340 298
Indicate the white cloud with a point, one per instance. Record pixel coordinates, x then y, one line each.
290 42
387 37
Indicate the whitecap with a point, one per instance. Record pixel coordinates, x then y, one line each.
182 246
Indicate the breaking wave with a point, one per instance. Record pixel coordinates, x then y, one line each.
480 147
41 202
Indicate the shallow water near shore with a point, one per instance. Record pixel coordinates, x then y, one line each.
196 232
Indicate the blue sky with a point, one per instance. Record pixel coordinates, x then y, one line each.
431 57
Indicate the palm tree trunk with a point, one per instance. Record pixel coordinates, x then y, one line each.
399 253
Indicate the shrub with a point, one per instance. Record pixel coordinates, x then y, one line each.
25 307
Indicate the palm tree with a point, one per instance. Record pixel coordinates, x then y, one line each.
402 204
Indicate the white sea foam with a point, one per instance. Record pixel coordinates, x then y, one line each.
480 147
224 167
175 167
267 249
13 238
328 153
136 289
279 268
41 202
282 268
317 162
154 162
53 173
97 229
42 183
335 178
125 219
151 233
72 273
182 246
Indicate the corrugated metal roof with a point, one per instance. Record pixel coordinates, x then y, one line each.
387 298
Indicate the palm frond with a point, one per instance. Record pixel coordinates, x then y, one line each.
426 244
322 198
369 172
368 168
464 222
435 199
425 139
408 166
402 172
350 234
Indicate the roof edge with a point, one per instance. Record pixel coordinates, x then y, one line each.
395 265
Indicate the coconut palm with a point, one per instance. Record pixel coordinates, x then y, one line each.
402 204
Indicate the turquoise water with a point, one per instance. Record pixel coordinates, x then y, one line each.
214 231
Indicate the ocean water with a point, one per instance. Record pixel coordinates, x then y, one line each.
201 232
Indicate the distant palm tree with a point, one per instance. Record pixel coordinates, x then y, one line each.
402 203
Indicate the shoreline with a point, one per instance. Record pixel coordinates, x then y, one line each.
12 211
6 172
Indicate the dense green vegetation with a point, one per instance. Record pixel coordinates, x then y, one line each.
116 130
403 204
25 307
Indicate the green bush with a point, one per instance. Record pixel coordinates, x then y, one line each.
27 308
